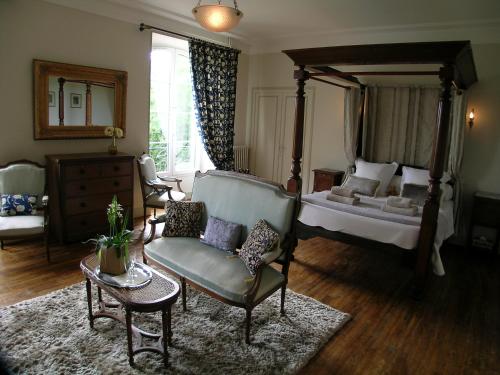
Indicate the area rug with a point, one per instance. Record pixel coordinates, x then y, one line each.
51 335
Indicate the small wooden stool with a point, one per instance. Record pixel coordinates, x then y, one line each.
159 295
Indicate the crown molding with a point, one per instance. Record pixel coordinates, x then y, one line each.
478 31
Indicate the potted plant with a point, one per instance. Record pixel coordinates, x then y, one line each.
112 250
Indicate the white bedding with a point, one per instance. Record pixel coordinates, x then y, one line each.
368 221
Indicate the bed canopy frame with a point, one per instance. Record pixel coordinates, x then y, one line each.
456 69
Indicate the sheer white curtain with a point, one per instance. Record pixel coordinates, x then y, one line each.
352 113
458 124
400 124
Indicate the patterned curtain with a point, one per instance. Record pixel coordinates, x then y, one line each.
213 68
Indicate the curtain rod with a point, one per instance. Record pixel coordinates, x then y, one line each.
144 26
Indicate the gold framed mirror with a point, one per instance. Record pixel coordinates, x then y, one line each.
74 101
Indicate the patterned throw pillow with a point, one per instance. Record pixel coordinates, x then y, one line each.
260 240
18 204
182 219
222 234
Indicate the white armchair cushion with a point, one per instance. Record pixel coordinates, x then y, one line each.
159 201
21 225
23 179
148 167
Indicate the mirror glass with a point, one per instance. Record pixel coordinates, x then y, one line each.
84 103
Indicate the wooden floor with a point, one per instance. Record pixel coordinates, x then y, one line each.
454 330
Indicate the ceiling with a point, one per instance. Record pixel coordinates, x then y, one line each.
276 24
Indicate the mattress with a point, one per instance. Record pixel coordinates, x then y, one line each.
367 220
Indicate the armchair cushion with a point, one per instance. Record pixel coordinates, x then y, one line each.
14 226
148 168
183 219
159 201
18 204
23 178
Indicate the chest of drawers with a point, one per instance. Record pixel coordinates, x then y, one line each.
80 188
325 178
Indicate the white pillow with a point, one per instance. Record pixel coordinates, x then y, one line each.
419 177
382 172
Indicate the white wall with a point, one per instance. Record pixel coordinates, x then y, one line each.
276 70
481 164
31 29
38 30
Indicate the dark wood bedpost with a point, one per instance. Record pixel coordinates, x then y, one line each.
359 146
294 184
431 206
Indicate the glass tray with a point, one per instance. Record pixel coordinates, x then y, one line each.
138 278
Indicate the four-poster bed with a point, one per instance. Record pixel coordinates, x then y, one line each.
457 70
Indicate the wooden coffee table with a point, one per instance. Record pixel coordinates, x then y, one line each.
159 295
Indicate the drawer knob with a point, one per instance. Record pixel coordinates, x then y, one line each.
83 204
82 170
116 183
83 187
116 168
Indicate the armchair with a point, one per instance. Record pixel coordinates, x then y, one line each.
25 177
155 189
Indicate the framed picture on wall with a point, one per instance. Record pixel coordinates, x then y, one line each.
52 99
75 100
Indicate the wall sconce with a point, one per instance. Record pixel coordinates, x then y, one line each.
471 118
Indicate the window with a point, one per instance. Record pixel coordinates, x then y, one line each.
174 142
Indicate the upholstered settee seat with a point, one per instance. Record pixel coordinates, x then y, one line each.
25 225
214 269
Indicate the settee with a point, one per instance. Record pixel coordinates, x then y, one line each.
241 199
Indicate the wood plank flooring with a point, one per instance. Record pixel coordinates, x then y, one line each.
455 329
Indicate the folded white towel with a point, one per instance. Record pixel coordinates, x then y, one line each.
340 199
400 202
409 211
345 192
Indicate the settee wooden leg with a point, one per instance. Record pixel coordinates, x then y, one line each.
183 284
154 213
283 290
1 244
248 323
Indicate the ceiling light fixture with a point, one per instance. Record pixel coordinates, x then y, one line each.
217 17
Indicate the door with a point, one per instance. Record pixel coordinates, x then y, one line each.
272 128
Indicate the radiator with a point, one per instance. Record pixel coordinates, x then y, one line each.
241 159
